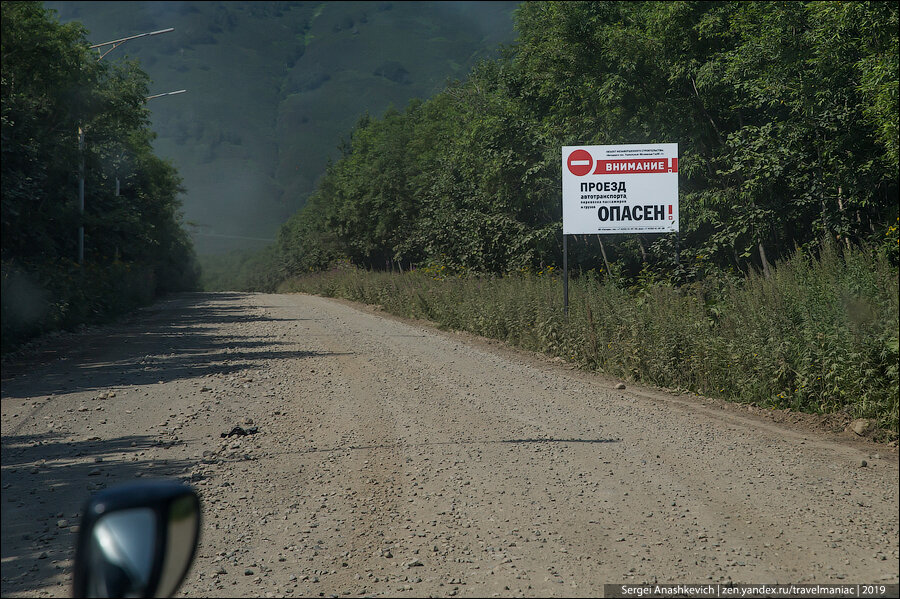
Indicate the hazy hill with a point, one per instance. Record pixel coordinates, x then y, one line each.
274 86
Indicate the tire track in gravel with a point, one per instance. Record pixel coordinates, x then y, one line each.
733 523
393 459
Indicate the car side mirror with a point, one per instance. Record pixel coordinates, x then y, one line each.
137 540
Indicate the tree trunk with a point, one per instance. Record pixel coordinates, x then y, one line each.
603 252
762 258
841 208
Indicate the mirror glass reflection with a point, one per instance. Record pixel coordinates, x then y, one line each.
182 528
121 553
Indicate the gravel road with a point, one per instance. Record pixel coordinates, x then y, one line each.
394 459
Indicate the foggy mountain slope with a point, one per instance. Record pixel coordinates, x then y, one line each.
273 87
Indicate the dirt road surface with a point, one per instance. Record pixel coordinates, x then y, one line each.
393 459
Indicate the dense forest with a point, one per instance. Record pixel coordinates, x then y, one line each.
780 290
786 116
134 248
785 295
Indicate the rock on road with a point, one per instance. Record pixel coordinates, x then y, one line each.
394 459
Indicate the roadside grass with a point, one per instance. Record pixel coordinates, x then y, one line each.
819 335
40 298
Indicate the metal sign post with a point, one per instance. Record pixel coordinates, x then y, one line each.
565 275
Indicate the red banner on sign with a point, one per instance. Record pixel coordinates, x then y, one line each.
646 165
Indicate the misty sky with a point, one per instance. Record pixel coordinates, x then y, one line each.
272 91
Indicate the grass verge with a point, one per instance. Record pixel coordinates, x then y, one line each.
48 297
819 335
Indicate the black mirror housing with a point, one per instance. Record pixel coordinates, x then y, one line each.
137 540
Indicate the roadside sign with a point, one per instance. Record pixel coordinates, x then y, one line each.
620 189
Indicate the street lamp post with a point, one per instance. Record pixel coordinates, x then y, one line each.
81 195
180 91
114 44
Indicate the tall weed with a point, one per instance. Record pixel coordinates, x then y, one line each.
818 335
46 297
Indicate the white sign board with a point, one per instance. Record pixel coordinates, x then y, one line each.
620 189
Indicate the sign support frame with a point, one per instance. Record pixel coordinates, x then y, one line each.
565 275
626 165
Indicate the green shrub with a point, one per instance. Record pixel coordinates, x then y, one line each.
818 335
46 297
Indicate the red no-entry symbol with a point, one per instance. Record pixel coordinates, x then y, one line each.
580 163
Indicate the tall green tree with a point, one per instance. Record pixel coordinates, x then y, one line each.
53 86
785 115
